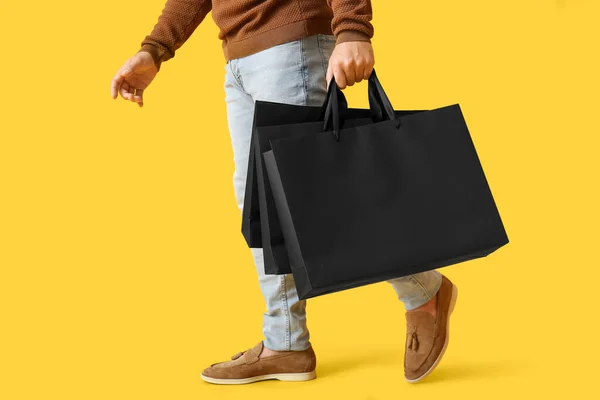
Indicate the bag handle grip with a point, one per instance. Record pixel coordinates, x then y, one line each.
336 106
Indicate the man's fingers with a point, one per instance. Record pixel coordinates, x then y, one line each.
137 97
125 93
349 71
116 85
367 72
329 74
131 92
119 79
340 77
138 94
359 71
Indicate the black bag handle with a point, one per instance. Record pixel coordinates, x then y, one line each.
336 106
378 99
326 107
335 98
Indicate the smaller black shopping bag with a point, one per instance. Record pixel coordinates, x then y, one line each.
258 230
268 113
364 204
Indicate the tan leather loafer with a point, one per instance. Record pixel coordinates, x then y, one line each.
246 367
427 336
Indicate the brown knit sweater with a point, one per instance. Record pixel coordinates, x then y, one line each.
248 26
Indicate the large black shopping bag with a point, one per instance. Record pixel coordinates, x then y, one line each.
360 205
260 215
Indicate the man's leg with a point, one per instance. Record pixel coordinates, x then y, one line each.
277 74
284 325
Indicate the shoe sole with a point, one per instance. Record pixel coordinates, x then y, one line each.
288 377
450 309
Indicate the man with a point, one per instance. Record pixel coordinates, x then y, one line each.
286 51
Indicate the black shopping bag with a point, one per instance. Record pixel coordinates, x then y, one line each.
265 114
359 205
268 119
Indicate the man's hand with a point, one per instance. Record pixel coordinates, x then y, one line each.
350 62
134 77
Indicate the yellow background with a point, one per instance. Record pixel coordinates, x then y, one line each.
123 270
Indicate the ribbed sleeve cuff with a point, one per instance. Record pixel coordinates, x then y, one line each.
352 36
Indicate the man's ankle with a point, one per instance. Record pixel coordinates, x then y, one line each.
266 352
429 307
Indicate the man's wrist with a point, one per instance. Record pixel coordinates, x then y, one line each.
154 52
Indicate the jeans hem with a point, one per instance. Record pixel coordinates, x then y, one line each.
428 292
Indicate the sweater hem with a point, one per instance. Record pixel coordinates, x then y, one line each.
233 49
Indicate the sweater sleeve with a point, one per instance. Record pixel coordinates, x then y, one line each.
351 20
178 20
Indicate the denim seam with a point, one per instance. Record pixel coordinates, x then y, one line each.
422 287
303 71
286 312
322 56
237 77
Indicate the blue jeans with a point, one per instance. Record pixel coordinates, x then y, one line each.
292 73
